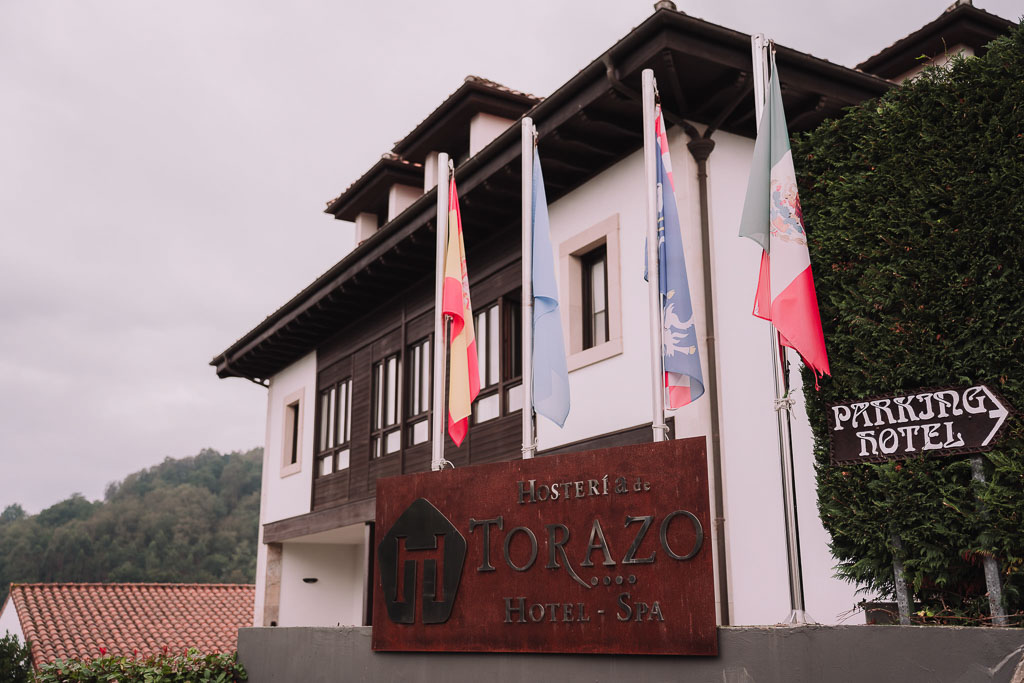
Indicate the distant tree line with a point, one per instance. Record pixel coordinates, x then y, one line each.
188 520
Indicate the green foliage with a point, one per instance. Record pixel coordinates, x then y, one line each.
190 667
915 212
188 520
12 513
15 660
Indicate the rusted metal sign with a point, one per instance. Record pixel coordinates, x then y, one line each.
606 551
948 421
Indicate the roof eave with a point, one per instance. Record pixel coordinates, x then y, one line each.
548 114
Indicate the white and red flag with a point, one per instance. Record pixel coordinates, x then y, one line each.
772 218
463 373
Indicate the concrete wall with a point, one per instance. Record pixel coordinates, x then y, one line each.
335 599
820 654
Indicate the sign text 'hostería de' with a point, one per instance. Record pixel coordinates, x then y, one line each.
949 421
598 552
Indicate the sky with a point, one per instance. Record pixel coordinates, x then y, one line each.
164 169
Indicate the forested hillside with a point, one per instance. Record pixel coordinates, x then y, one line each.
188 520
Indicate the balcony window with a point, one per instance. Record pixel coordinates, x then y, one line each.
335 420
418 361
385 435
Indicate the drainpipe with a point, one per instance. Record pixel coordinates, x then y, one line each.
700 148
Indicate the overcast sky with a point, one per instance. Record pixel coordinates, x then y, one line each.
164 168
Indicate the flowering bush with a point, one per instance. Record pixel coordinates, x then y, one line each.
189 667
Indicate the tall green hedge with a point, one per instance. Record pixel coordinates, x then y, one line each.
914 206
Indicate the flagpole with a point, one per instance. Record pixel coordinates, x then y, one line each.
529 439
437 425
783 401
658 425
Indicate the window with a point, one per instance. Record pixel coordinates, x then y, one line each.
498 340
589 265
419 363
385 435
488 355
594 289
291 434
335 418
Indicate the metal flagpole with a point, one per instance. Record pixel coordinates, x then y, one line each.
529 440
783 401
653 278
440 327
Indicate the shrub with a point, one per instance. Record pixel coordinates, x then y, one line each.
15 660
915 215
190 667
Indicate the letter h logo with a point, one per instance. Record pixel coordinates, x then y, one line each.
418 529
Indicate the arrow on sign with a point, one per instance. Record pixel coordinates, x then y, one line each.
999 414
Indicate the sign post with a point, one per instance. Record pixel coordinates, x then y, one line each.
931 422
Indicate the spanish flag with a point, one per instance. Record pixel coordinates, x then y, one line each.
463 374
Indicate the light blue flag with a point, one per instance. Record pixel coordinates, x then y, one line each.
550 374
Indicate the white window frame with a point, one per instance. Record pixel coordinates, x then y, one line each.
296 398
570 253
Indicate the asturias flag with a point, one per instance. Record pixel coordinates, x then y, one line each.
550 374
463 374
683 378
772 218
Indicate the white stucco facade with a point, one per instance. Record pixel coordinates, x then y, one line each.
321 584
285 489
614 393
9 621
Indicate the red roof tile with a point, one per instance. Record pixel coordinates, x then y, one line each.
74 620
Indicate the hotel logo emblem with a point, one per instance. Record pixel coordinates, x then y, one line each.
421 529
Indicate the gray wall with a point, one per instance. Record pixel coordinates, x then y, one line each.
808 654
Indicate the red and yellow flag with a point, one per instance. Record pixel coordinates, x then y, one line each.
463 374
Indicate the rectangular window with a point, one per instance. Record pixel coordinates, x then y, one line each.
335 418
498 343
592 310
291 434
385 437
594 266
293 440
419 364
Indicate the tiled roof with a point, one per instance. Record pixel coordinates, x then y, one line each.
498 86
385 158
74 620
960 22
459 94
